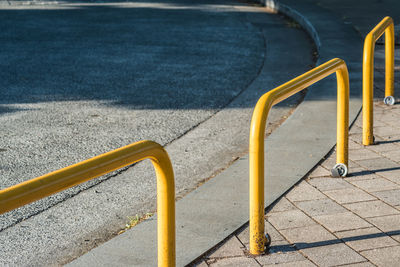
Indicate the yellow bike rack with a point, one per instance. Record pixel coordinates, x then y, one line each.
46 185
385 26
259 241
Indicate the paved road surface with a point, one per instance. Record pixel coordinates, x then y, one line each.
82 80
78 80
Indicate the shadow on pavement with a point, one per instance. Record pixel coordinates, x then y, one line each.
140 57
388 142
303 245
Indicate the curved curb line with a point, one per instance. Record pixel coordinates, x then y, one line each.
296 16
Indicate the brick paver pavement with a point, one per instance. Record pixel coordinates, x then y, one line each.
326 221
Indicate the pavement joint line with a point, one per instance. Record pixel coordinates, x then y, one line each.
359 201
366 193
287 240
383 155
382 216
396 245
373 216
322 224
294 204
361 228
383 177
338 240
337 204
360 262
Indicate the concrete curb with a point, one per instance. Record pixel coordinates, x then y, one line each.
296 16
209 214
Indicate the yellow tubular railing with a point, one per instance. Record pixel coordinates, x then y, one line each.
40 187
258 241
385 26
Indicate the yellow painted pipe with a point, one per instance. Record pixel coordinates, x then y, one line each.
385 26
257 132
46 185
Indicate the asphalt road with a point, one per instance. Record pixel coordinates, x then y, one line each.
78 80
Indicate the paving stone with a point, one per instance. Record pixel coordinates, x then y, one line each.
393 155
379 112
393 140
382 147
389 116
362 154
318 244
329 162
354 145
373 185
359 122
281 246
392 197
367 238
379 139
274 234
325 184
305 263
277 246
309 236
320 207
238 261
277 258
386 130
377 164
304 191
232 247
332 255
396 236
282 205
289 219
342 221
355 129
383 256
355 137
349 195
360 173
361 264
244 235
391 174
371 208
320 172
386 223
351 164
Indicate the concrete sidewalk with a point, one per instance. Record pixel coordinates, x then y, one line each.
326 221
